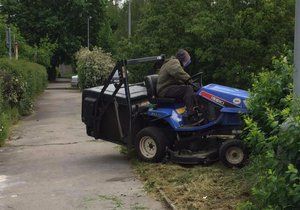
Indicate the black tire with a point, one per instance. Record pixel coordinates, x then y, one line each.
233 153
155 136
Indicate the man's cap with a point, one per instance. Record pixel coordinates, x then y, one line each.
183 56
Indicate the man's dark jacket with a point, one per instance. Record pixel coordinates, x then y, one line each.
171 73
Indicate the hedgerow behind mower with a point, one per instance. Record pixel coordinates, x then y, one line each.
133 115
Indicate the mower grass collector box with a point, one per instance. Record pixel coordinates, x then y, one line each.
111 129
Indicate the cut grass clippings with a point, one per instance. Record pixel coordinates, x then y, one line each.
198 187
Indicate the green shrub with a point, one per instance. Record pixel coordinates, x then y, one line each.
20 83
273 135
93 67
3 127
2 120
269 104
40 53
7 118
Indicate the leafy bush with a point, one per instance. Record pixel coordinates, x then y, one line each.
2 134
273 134
40 53
93 67
20 83
270 101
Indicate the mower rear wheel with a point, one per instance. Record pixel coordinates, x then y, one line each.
233 153
151 144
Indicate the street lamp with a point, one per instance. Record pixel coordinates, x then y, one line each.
8 41
129 18
88 31
297 50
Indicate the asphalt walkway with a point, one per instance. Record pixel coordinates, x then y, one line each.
50 162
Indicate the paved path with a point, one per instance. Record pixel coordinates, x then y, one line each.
51 163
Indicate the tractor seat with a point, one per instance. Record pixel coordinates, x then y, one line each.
151 82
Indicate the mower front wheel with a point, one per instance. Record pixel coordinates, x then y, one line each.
151 144
233 153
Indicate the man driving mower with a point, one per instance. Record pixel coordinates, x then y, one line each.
171 83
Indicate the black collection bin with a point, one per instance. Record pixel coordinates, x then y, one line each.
114 124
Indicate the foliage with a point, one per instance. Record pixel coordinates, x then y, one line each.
39 53
273 135
93 67
118 16
228 40
271 96
62 22
20 82
2 126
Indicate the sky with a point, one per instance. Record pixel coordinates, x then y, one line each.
122 1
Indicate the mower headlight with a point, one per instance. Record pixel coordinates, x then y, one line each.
180 110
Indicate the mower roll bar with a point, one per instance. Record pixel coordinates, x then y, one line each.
120 67
145 59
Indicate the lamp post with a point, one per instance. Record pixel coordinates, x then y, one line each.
88 31
8 41
129 18
297 50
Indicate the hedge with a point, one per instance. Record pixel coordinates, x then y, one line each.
20 82
273 135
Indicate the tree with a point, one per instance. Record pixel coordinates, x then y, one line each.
118 15
240 37
229 40
39 54
63 22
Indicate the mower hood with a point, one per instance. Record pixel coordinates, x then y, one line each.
225 96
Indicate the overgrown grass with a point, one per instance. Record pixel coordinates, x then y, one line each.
7 119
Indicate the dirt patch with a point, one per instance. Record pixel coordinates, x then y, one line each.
198 187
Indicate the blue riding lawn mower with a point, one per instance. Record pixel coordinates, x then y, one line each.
133 115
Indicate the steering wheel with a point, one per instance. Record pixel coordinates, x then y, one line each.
197 78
